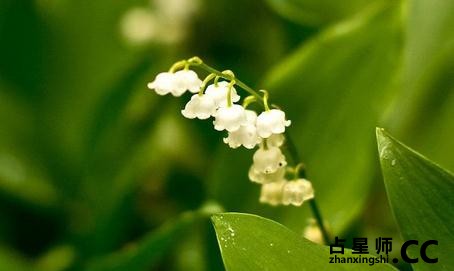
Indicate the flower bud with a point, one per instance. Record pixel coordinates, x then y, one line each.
312 232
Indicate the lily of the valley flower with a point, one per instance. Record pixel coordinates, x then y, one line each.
246 135
176 83
312 232
297 191
219 93
271 193
275 140
164 83
269 160
230 118
187 80
271 122
263 178
200 106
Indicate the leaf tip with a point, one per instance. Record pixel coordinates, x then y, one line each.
384 140
380 132
217 219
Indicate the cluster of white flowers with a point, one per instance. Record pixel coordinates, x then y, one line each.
244 127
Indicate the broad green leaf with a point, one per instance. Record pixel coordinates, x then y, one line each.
249 242
325 88
317 12
421 197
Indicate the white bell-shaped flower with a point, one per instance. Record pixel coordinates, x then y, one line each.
263 178
312 232
200 106
297 191
230 118
271 122
186 80
220 92
164 83
246 135
271 193
268 160
275 140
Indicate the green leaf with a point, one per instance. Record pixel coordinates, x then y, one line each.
11 260
147 252
22 176
22 180
428 36
422 115
159 139
115 100
58 258
420 194
250 242
317 12
333 119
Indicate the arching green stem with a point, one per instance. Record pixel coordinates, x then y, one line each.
248 100
205 82
197 62
179 65
216 81
229 93
265 100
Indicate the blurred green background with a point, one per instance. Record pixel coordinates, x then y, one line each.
99 173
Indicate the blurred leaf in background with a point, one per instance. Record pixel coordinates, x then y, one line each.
315 13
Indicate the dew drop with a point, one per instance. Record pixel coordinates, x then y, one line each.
393 162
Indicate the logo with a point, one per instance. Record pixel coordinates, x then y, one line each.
383 246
